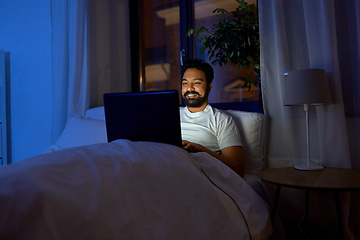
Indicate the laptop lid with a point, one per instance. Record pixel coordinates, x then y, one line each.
143 116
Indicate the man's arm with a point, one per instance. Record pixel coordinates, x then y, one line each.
233 156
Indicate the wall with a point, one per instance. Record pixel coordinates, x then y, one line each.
25 32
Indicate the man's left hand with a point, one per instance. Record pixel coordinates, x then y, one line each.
192 147
233 156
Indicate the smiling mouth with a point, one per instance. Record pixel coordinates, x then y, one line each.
192 95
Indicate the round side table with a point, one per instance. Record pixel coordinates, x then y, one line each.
328 179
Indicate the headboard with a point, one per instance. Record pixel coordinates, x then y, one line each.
251 106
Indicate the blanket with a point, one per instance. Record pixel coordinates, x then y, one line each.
128 190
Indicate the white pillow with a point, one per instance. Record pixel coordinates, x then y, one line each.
81 131
96 113
252 130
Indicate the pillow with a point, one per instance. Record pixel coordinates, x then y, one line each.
95 113
252 130
81 131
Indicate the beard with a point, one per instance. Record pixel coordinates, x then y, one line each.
195 102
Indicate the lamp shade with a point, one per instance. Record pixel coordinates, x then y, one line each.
306 86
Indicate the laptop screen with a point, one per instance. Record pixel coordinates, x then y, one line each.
143 116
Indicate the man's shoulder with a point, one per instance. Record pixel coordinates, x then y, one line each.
221 113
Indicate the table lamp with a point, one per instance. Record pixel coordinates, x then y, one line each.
307 87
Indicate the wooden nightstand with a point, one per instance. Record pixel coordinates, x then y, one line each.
329 179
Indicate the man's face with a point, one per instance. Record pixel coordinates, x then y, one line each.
194 88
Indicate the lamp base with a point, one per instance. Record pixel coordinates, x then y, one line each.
306 167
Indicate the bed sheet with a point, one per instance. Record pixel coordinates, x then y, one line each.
128 190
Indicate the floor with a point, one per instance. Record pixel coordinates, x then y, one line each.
295 232
290 219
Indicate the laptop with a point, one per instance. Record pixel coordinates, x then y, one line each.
143 116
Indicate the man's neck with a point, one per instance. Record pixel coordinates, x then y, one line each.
199 109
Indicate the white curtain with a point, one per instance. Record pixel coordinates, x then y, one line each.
69 61
322 34
300 34
109 48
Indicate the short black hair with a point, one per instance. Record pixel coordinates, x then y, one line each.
202 66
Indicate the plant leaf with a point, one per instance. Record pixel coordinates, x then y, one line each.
215 62
220 10
190 32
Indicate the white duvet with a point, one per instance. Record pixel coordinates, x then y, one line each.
128 190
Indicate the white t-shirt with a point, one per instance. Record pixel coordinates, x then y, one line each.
211 128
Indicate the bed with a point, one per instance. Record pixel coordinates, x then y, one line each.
86 188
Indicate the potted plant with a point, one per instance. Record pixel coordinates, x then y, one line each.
233 40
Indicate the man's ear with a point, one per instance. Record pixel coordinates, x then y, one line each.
209 88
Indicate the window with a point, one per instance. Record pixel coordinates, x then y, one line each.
162 27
